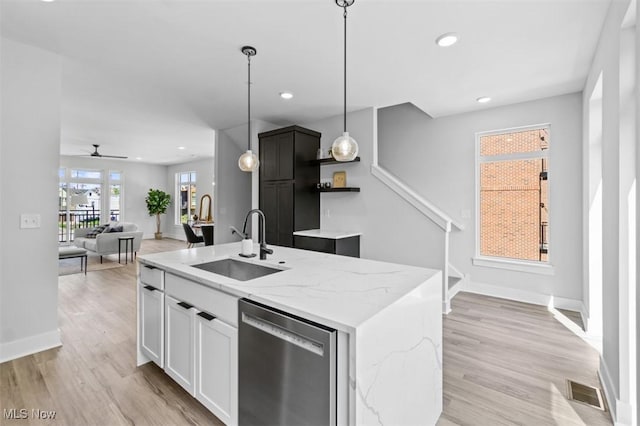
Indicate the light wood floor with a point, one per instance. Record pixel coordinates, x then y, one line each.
505 363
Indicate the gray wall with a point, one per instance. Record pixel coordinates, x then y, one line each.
607 61
239 190
436 157
391 229
637 259
30 83
138 179
233 186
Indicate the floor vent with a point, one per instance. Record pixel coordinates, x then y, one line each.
585 394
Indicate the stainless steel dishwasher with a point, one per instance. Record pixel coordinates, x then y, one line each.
286 368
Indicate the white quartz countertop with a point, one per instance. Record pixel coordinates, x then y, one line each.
321 233
338 291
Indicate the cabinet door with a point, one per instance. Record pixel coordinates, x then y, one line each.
269 206
285 214
276 201
180 343
217 367
151 333
276 157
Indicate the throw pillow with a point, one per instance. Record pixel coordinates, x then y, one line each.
95 231
114 229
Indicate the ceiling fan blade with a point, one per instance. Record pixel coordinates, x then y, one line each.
112 156
95 153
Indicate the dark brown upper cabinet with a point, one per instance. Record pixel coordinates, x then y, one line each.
288 178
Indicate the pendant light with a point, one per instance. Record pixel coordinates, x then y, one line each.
344 148
248 162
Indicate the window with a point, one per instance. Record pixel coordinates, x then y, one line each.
115 195
513 198
186 194
81 202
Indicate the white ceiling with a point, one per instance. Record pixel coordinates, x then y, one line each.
141 78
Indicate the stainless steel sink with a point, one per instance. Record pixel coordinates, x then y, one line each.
238 270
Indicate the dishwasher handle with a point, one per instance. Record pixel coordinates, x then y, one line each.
284 334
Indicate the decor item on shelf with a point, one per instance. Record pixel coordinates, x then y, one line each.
326 185
344 148
248 162
339 179
157 203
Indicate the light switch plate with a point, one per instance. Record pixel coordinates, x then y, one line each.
29 220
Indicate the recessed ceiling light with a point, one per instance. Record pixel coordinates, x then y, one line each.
47 1
446 40
286 95
181 147
483 99
138 158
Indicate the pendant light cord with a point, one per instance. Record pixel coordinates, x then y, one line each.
345 65
249 103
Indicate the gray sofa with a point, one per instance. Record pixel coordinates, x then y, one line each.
107 242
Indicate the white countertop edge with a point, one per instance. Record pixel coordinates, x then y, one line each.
178 263
321 233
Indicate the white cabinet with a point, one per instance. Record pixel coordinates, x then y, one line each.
217 367
151 333
180 342
189 329
150 291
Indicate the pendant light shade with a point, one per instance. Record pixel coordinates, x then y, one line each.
344 148
248 162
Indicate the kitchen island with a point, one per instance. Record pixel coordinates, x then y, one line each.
387 316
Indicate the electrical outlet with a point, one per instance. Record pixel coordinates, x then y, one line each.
29 220
327 213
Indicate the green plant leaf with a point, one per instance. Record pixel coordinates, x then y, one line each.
157 202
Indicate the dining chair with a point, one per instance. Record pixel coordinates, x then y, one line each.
192 238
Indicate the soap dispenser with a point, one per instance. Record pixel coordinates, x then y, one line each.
247 248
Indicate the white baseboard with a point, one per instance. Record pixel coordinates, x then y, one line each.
620 411
523 296
446 308
179 237
608 388
29 345
585 316
623 414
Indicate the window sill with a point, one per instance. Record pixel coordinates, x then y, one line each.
514 265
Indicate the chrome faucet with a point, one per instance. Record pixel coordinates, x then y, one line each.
262 239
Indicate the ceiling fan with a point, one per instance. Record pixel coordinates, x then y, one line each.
98 155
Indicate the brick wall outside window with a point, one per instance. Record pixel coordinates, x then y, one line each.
513 197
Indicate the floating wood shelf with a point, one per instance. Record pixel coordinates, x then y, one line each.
325 161
348 189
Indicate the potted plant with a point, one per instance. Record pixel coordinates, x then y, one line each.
157 203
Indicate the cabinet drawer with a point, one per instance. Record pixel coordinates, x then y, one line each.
217 303
152 276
